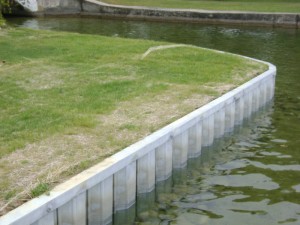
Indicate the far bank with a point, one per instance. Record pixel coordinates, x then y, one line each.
156 11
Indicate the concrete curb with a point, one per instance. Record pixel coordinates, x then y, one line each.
112 185
96 8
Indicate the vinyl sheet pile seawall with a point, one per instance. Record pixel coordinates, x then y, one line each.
93 196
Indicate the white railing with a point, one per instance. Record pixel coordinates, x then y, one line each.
30 5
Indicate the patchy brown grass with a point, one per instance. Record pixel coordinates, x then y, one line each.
53 160
66 107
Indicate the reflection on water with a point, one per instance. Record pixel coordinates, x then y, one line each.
250 178
230 185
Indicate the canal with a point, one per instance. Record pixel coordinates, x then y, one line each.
254 177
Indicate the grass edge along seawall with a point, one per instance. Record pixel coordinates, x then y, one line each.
241 6
172 14
51 129
228 110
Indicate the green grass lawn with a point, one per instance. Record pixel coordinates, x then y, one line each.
291 6
1 20
67 100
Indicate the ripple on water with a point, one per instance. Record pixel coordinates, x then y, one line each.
235 164
255 180
231 210
297 188
281 141
275 167
269 153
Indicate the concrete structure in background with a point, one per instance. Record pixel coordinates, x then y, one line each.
30 5
48 7
93 196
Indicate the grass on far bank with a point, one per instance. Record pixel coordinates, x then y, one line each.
290 6
68 100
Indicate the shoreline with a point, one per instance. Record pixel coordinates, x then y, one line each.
92 8
104 122
113 184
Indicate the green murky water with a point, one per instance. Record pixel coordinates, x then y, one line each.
254 178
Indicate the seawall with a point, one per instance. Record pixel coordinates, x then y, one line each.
93 196
94 8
